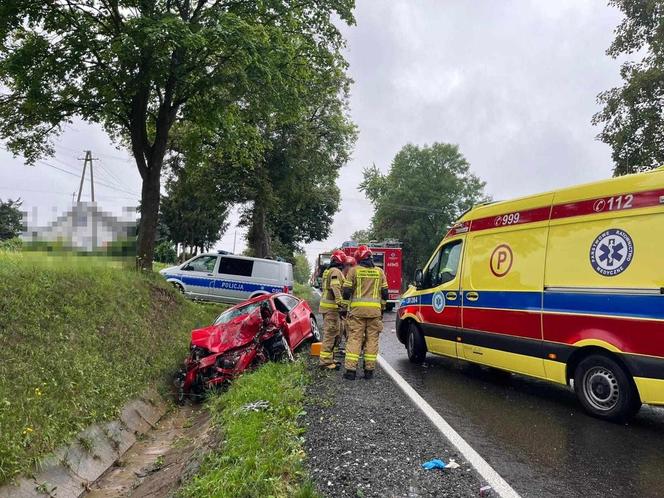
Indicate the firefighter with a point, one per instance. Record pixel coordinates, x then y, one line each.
366 288
331 307
343 337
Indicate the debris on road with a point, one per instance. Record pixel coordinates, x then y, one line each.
256 406
437 463
434 464
486 491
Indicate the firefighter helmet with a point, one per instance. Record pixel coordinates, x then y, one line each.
338 256
362 253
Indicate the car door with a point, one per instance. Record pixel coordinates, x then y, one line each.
198 276
293 330
502 285
440 298
299 316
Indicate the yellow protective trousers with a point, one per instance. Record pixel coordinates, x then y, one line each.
363 331
331 331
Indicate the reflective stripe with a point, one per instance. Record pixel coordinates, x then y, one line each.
323 354
370 357
329 305
352 356
365 304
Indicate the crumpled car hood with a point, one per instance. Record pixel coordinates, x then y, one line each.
231 335
225 336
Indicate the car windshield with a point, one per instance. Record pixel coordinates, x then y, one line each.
232 313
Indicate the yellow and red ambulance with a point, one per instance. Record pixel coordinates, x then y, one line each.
566 286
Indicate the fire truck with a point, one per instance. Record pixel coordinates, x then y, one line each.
321 264
386 255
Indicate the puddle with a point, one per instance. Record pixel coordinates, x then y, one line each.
157 463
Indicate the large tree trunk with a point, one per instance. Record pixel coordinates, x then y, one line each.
147 232
258 236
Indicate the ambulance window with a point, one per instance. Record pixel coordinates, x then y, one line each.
444 265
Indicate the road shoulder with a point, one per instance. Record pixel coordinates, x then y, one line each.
366 438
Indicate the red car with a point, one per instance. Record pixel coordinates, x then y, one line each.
265 328
301 323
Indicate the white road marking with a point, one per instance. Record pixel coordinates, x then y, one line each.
499 485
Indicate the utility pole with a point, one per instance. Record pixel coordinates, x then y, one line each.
87 159
234 239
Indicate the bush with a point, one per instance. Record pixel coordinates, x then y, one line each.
165 253
80 337
14 244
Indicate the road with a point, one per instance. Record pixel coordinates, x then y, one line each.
534 433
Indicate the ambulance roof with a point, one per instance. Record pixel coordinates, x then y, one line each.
639 182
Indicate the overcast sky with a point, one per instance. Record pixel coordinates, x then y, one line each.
513 83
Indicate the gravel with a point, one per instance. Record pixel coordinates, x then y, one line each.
366 438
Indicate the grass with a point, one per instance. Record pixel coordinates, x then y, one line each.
262 452
80 337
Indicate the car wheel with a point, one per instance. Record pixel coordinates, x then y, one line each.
605 389
178 287
415 344
315 331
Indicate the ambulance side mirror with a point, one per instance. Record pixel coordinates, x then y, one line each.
419 276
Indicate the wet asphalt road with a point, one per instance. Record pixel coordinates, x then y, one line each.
534 433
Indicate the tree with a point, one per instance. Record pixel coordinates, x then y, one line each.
195 210
362 236
143 68
425 190
633 114
11 219
301 268
292 186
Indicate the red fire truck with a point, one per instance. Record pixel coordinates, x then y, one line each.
387 255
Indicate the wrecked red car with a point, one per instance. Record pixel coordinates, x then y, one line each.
265 328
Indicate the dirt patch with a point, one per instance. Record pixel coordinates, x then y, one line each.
162 459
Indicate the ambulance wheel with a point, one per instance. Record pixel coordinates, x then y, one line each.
389 307
605 390
415 344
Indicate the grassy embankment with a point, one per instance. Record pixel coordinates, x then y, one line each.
80 337
262 451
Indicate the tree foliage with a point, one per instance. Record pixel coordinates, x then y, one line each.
633 114
194 210
425 190
301 268
144 68
11 219
362 236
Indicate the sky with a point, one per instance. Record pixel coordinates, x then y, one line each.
513 83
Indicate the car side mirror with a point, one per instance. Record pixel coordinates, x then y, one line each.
288 318
419 277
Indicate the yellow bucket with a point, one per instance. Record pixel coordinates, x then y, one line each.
315 349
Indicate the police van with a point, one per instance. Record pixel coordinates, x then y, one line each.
566 286
229 278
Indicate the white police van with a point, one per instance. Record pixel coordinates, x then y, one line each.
229 278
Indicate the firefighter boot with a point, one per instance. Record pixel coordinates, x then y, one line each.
368 374
349 375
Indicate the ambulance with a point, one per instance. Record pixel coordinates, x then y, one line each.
566 286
